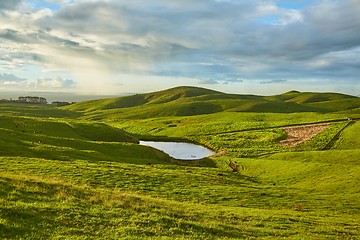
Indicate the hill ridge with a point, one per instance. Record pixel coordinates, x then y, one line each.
189 101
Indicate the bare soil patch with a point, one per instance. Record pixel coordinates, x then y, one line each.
300 134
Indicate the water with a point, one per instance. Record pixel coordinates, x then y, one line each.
179 150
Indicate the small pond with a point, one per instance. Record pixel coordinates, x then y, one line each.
179 150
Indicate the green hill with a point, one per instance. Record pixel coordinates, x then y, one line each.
337 105
310 97
142 99
191 101
70 139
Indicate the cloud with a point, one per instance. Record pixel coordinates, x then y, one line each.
9 81
273 81
7 4
8 77
209 82
57 83
218 81
213 42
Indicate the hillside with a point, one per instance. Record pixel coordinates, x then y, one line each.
65 140
65 177
190 101
310 97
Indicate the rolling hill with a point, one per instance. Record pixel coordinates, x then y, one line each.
190 101
309 97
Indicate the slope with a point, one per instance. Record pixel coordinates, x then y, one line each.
70 140
190 101
310 97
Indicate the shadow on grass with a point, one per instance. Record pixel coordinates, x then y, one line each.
20 217
162 138
27 223
33 210
205 162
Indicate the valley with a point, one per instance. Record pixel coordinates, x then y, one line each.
78 172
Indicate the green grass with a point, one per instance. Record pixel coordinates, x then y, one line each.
238 134
81 199
63 176
349 138
101 132
36 110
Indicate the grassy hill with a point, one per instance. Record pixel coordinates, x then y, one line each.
310 97
77 172
141 99
67 140
191 101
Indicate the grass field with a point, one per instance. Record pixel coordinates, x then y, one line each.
64 175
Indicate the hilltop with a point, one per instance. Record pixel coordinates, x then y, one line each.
190 101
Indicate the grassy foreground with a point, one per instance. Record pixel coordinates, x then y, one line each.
65 178
81 199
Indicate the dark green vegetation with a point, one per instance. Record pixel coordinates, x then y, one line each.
64 175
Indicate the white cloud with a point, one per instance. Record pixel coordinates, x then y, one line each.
273 81
9 77
57 83
14 83
9 81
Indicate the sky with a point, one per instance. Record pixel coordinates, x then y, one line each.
109 47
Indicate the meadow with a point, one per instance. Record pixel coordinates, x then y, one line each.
77 172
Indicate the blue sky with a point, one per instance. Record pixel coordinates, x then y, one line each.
113 47
295 4
42 4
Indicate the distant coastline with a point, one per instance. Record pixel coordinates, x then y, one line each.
57 96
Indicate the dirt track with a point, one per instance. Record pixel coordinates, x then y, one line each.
300 134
